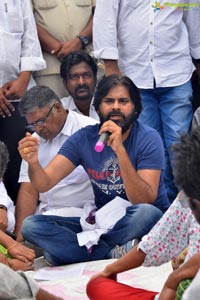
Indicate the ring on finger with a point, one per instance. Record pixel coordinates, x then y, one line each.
25 150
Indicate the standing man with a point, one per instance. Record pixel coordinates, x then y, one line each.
153 44
20 54
79 73
63 26
53 125
130 167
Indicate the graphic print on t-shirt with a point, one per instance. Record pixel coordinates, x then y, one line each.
108 180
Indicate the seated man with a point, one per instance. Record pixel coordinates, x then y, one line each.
79 73
130 167
180 227
7 219
53 125
16 255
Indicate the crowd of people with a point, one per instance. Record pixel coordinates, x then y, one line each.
127 199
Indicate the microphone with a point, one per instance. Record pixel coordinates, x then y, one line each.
102 141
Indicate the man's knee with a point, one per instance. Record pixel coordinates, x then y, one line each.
96 288
28 226
145 211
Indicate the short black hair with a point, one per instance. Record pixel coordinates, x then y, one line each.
75 58
186 163
108 82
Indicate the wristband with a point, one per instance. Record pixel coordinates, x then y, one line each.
84 40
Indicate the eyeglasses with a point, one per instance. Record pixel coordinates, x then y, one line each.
39 122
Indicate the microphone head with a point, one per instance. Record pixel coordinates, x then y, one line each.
99 146
102 141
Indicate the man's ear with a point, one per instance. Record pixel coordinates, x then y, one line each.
58 105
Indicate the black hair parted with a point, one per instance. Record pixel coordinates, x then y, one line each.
108 82
75 58
186 163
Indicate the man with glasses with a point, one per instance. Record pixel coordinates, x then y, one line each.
52 124
31 127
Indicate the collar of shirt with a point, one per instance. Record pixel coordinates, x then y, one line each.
68 103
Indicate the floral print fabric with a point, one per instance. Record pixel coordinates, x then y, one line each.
176 230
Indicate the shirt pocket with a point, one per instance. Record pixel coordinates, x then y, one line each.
14 21
83 2
45 4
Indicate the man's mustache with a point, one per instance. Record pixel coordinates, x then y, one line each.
80 87
115 113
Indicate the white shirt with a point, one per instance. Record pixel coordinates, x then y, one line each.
68 103
75 189
6 201
148 43
19 47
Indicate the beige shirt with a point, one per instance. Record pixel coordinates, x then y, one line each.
64 20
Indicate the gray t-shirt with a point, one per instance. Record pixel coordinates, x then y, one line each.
16 285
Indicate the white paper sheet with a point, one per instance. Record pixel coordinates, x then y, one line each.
106 217
54 273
